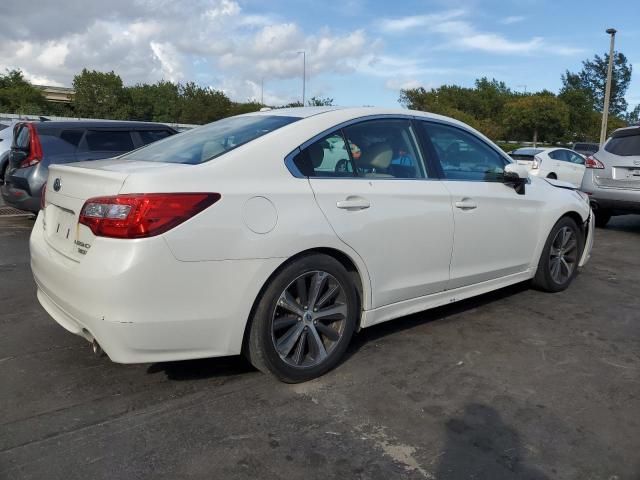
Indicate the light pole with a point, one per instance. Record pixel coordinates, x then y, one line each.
607 90
304 74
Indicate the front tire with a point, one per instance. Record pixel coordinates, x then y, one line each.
558 263
303 320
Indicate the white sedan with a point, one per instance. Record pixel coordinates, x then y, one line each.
279 234
552 162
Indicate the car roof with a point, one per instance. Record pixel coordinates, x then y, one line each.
626 131
531 150
99 124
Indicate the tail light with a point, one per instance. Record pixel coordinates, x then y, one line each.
35 148
42 196
142 215
593 162
536 163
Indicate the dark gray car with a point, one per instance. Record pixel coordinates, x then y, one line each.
612 177
36 145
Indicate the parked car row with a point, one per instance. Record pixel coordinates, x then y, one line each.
555 163
37 145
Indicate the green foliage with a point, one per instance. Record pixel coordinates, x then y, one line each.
100 95
320 102
633 117
593 78
541 117
18 96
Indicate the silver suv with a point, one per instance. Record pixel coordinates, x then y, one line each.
612 178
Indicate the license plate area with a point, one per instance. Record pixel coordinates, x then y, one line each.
60 228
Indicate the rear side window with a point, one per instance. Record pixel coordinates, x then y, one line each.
381 149
72 137
559 155
53 144
150 136
625 146
109 141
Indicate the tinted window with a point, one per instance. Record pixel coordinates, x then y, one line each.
210 141
462 155
575 158
559 155
53 144
72 137
586 147
109 141
384 149
22 137
150 136
624 146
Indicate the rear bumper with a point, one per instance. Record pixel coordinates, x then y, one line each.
141 304
611 198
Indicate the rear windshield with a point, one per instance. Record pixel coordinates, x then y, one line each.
625 146
209 141
586 147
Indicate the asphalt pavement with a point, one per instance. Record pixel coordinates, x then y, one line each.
513 384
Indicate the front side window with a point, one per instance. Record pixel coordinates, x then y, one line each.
462 155
559 155
150 136
209 141
109 141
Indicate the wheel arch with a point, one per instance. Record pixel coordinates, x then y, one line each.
358 274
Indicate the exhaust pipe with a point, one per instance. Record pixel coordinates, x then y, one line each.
97 349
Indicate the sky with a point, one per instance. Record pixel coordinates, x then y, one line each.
357 52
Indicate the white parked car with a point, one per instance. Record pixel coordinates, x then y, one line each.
555 163
280 233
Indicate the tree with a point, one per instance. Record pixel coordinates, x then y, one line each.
17 95
320 102
593 78
100 95
633 117
541 117
202 104
580 102
159 102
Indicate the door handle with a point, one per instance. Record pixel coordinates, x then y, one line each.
353 203
466 204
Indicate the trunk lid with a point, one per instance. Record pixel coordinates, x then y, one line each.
70 186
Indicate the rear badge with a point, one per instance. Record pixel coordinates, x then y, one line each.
57 184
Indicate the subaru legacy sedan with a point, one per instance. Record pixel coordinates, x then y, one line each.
279 234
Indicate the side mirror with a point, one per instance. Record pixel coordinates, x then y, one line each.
516 176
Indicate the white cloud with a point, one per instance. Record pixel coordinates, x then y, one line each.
402 24
212 41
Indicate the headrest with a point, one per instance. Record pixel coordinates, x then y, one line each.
378 155
316 154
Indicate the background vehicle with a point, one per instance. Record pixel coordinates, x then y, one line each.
39 144
552 162
251 235
585 148
612 178
6 138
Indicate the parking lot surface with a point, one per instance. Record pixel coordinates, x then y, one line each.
513 384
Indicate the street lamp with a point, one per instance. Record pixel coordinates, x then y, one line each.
304 73
607 90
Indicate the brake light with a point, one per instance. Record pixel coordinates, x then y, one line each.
142 215
42 196
593 162
536 163
35 148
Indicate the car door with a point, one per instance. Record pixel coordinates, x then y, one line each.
496 229
370 181
576 163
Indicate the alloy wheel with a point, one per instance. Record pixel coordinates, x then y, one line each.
563 255
309 319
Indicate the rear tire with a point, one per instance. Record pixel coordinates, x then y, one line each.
294 343
602 217
558 264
